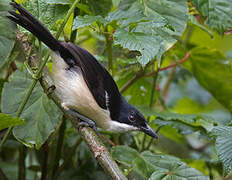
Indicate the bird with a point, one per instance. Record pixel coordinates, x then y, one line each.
86 88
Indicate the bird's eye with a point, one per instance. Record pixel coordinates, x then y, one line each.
131 117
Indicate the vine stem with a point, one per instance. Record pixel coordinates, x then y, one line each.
37 75
109 43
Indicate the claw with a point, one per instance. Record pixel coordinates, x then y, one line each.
86 122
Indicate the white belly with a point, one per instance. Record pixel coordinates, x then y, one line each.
75 94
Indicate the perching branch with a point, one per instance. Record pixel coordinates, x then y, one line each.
96 146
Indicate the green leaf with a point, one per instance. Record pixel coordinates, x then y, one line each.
160 22
8 121
171 167
147 45
224 145
200 121
218 13
7 32
124 154
100 7
193 20
83 21
142 167
45 12
40 113
180 172
64 2
147 163
81 6
213 73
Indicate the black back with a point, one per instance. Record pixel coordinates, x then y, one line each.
98 80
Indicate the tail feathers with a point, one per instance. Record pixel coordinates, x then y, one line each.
26 20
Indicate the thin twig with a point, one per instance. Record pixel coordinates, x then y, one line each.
59 147
170 66
141 74
2 175
21 163
44 164
138 75
68 158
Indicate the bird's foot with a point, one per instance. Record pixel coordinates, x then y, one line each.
50 90
85 122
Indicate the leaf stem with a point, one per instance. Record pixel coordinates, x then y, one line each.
170 66
44 164
138 75
21 163
37 74
2 175
59 147
67 160
109 43
141 74
70 11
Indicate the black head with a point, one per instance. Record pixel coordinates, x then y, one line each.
131 116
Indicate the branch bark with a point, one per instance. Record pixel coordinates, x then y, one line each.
96 146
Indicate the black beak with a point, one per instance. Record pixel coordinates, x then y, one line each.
148 130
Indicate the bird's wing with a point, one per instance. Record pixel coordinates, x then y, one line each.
98 80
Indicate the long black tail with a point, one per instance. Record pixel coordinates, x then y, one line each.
26 20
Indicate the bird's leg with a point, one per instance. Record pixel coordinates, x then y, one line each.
85 121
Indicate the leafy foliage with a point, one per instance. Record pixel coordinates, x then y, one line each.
162 166
147 28
40 113
187 123
8 121
7 38
187 100
217 12
217 74
223 145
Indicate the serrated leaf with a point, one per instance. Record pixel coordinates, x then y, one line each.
172 167
180 172
158 21
46 12
218 13
147 163
216 78
64 2
83 21
195 121
40 113
7 32
7 120
100 7
224 145
124 154
147 45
